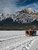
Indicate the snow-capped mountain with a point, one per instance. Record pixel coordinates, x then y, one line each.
5 16
23 16
26 16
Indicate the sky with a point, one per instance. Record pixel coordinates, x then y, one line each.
11 6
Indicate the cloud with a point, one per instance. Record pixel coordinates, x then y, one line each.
8 6
11 6
26 2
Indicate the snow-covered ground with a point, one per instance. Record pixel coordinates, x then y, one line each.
17 40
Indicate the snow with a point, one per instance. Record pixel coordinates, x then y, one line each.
16 40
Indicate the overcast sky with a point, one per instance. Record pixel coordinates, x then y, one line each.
8 6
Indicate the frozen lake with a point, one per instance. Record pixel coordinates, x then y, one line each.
16 40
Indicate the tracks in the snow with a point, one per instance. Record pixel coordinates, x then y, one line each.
20 42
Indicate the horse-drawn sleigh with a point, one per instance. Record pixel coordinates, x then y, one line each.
31 32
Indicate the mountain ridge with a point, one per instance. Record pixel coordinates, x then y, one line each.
23 16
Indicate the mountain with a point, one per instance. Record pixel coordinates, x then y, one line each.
35 22
24 16
9 21
24 19
6 21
